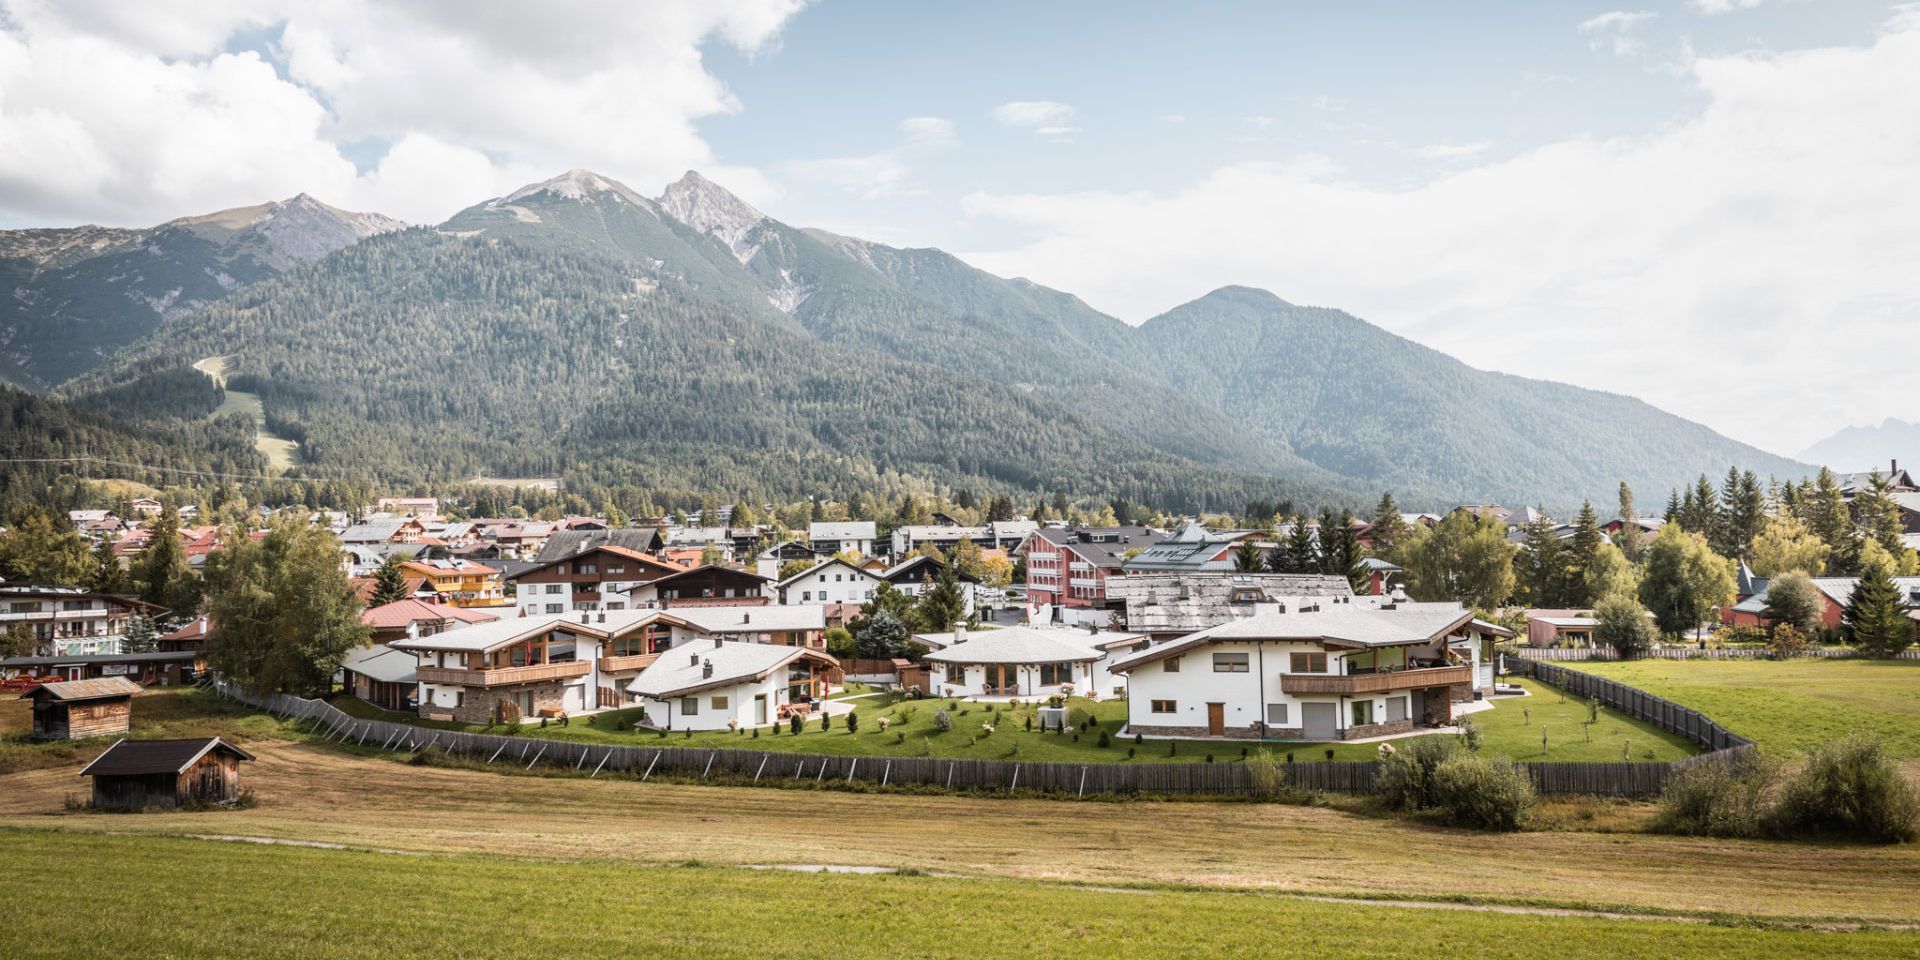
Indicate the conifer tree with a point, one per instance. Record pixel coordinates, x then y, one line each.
1582 548
1303 553
1538 568
1246 556
1389 528
1875 620
389 584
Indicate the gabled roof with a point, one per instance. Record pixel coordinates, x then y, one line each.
683 669
1024 645
608 549
1193 548
753 619
1163 603
383 663
138 757
841 530
1101 546
908 571
1336 625
400 613
456 565
828 562
705 568
566 543
70 691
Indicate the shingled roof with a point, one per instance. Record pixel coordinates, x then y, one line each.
138 757
68 691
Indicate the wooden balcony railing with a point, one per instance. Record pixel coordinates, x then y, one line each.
634 661
1349 685
503 676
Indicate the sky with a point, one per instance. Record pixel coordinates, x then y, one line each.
1709 204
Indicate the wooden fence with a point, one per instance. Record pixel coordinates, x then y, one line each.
1580 654
729 765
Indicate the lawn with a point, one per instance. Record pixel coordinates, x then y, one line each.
1511 729
1792 705
279 901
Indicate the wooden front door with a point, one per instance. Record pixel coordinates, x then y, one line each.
1216 719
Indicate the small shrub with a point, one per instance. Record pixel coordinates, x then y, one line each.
1405 780
1029 724
853 721
756 733
1104 742
826 719
1849 788
1710 799
900 737
793 724
1470 735
1265 777
942 721
1483 792
1209 758
1130 753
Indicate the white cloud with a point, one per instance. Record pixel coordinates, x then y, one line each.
886 173
137 113
1751 267
1047 118
1616 30
1451 151
1717 7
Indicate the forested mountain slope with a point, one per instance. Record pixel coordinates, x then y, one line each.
73 296
1389 412
426 356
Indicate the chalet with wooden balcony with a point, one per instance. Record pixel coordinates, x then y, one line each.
546 665
1324 670
712 585
460 582
729 684
593 580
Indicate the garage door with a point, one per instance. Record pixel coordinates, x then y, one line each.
1319 721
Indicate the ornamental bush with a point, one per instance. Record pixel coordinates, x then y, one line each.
1849 788
1714 799
1483 792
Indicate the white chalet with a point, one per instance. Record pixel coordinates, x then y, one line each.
1325 669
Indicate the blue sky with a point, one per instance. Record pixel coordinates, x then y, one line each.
1706 204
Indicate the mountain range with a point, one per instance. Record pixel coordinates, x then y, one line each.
578 327
76 295
1859 449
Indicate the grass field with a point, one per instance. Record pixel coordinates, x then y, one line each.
1511 729
263 901
159 713
311 793
1791 705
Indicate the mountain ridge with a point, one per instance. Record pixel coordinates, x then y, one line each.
1237 380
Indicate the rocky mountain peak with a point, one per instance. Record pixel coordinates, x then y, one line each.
712 209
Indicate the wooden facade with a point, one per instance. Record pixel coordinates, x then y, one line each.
77 709
136 775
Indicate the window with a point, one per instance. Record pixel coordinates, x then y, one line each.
1396 709
1230 663
689 706
719 703
1362 712
1163 706
563 569
587 568
556 608
1307 663
1276 714
553 588
1173 664
1054 674
806 595
616 568
956 673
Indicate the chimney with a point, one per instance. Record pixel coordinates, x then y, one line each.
603 616
695 662
746 616
717 643
706 668
959 633
586 617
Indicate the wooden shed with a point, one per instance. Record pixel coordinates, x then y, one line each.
72 709
166 774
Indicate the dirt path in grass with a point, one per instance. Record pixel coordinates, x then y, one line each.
312 794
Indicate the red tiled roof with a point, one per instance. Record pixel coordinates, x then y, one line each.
398 614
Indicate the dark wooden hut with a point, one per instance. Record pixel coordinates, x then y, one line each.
166 774
72 709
